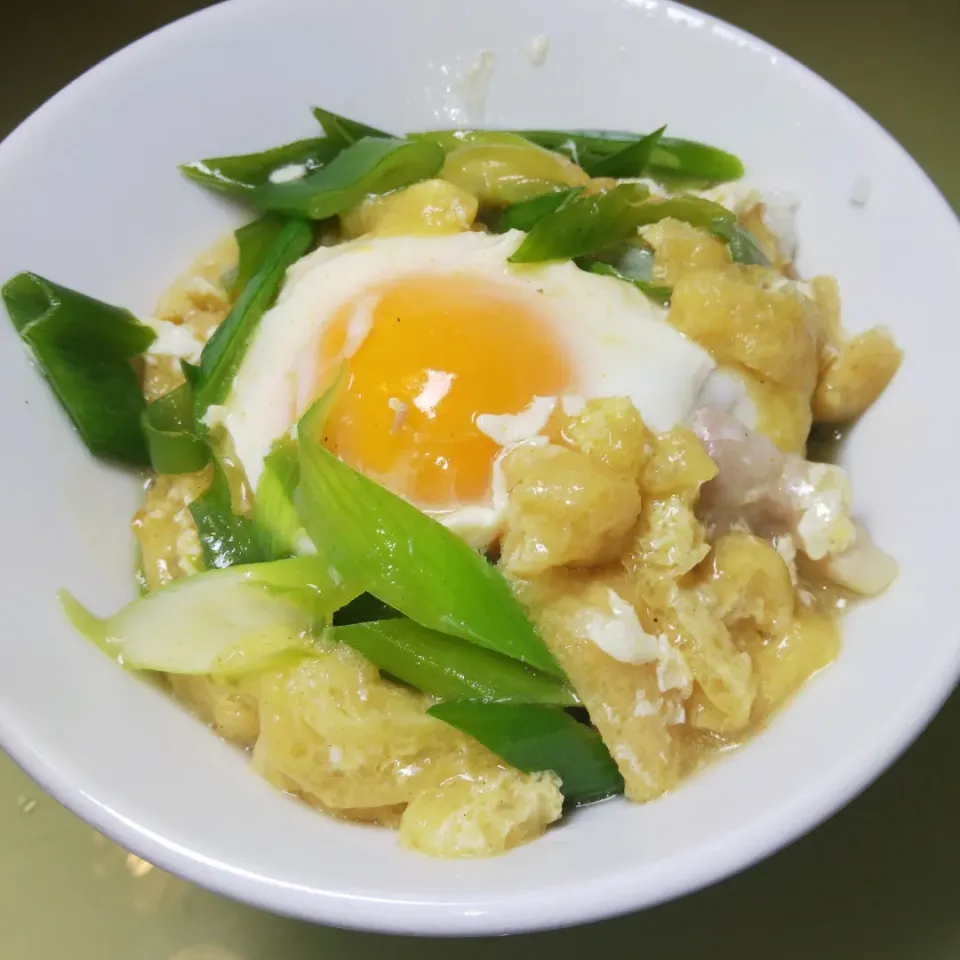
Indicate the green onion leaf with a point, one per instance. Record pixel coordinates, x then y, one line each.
531 738
253 242
714 217
448 667
742 243
241 175
584 225
226 622
654 291
371 165
86 623
527 214
406 559
632 160
171 433
671 158
191 372
83 348
227 538
688 160
274 511
225 350
343 130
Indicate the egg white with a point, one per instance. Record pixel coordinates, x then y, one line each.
619 342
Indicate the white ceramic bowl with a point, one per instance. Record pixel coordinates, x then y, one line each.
90 196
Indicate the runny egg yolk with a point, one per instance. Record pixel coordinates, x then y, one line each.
424 357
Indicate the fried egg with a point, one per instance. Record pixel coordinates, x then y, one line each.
453 356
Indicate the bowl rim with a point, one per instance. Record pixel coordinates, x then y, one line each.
709 864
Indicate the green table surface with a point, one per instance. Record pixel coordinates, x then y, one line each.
879 880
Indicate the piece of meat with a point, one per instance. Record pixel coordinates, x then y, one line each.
775 494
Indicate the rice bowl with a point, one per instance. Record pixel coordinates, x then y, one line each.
791 784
